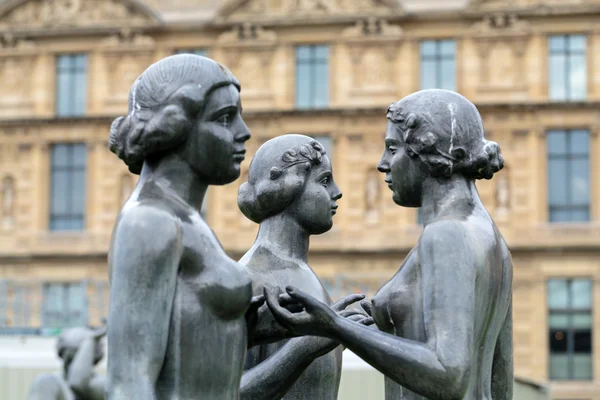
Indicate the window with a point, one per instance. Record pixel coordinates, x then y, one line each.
567 67
325 140
570 328
198 52
65 305
71 85
67 201
419 216
437 64
312 76
568 175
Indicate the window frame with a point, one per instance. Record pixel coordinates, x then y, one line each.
73 73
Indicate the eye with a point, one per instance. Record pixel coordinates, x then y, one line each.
392 150
325 181
224 120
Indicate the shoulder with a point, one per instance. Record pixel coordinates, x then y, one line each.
45 385
147 223
443 233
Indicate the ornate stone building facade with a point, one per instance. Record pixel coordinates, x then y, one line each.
329 69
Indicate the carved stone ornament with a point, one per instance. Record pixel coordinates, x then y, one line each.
502 37
372 45
60 14
242 10
8 203
126 40
248 51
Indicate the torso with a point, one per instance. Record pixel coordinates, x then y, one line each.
207 331
320 381
398 310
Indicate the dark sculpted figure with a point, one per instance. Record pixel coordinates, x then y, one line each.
179 306
291 193
80 349
444 319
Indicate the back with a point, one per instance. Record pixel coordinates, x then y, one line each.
49 387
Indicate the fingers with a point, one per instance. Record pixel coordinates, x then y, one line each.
351 312
367 306
280 314
367 321
305 299
257 301
346 301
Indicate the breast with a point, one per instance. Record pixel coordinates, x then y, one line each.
216 281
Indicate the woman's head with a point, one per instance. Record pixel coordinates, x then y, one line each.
291 174
434 133
187 104
71 339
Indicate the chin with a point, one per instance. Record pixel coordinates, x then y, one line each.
226 178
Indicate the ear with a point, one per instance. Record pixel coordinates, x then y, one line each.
167 128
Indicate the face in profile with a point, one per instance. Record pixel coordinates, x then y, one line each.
404 175
316 205
216 146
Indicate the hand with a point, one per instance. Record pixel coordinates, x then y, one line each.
252 313
99 333
302 314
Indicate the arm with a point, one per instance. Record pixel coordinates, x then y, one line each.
143 280
437 368
273 377
502 368
81 378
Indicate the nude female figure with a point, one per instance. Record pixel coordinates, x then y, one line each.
445 318
292 195
179 306
81 350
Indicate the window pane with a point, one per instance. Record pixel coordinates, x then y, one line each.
581 292
447 48
79 94
60 203
79 155
557 77
303 53
447 75
576 43
559 366
303 86
557 142
557 180
428 48
321 86
558 294
560 216
63 94
322 53
582 366
581 321
579 182
59 155
78 193
557 43
577 77
428 75
558 321
579 142
579 215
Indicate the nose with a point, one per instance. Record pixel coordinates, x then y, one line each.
243 133
336 194
383 165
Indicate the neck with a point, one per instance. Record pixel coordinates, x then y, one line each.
284 237
175 174
453 197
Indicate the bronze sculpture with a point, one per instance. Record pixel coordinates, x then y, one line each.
80 349
291 193
179 306
445 318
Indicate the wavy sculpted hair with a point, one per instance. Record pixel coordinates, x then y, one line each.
445 131
163 103
277 175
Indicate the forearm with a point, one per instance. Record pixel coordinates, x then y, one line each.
411 364
273 377
82 367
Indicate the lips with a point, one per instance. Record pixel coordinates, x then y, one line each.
239 155
389 183
333 209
